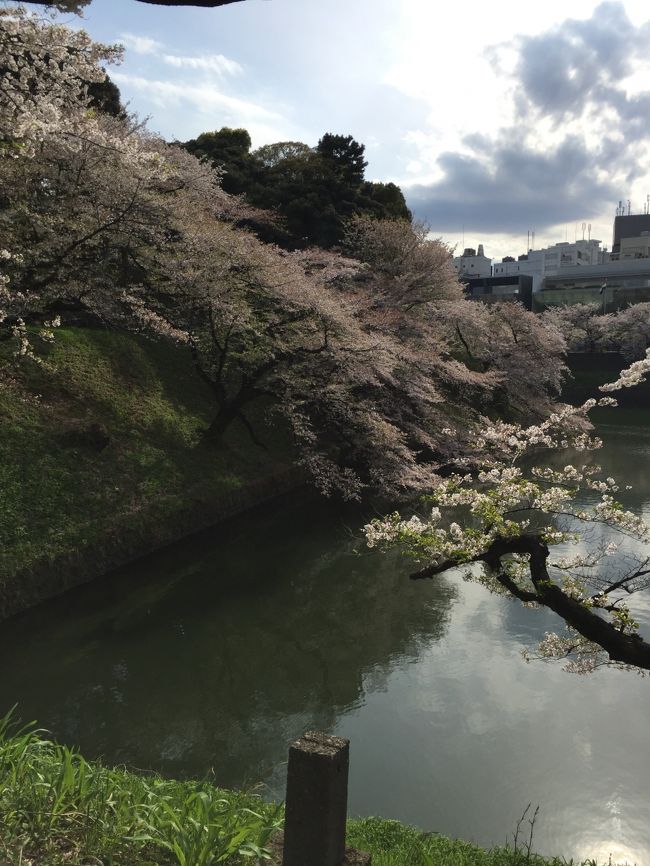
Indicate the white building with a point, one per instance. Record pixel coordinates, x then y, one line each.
612 285
539 263
473 263
583 271
635 248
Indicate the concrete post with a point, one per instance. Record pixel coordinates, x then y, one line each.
317 800
316 804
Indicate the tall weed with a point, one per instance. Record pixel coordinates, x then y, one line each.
56 806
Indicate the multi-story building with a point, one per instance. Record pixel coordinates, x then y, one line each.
473 263
635 248
568 273
537 263
517 287
616 281
627 227
612 285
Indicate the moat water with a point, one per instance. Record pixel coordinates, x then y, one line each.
211 656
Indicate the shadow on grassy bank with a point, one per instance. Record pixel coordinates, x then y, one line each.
101 461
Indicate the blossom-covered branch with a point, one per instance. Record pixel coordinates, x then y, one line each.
508 514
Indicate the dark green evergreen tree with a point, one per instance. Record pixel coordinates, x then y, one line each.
312 190
228 149
346 154
105 96
384 200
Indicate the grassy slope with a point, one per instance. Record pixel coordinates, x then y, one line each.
62 495
56 808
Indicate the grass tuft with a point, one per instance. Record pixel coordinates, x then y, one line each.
56 808
395 844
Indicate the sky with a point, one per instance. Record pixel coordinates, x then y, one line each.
496 119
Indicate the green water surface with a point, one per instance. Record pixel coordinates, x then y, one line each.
211 656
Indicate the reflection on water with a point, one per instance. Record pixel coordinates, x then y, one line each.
216 653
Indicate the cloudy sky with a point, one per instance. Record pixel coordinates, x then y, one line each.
495 118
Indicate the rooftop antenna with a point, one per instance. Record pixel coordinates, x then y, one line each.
629 207
589 232
528 242
584 226
533 240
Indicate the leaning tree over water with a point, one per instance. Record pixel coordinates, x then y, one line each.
511 522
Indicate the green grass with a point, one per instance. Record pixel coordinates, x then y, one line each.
62 495
395 844
57 808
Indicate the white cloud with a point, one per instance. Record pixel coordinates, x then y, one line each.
141 44
208 62
205 97
192 108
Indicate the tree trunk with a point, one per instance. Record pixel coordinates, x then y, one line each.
628 649
222 420
229 411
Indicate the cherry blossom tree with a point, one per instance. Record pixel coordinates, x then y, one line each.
74 7
88 199
503 519
47 70
580 325
586 329
523 352
107 222
408 269
498 358
266 326
627 331
293 331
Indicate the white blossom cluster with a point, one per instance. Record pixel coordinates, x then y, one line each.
47 68
507 499
611 512
563 429
581 656
632 375
587 560
153 321
5 256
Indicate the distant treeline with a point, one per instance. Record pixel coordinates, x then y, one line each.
313 189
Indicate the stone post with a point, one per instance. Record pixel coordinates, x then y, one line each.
316 803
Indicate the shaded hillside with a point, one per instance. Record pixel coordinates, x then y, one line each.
101 457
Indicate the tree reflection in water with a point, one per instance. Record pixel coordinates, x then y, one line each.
218 652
